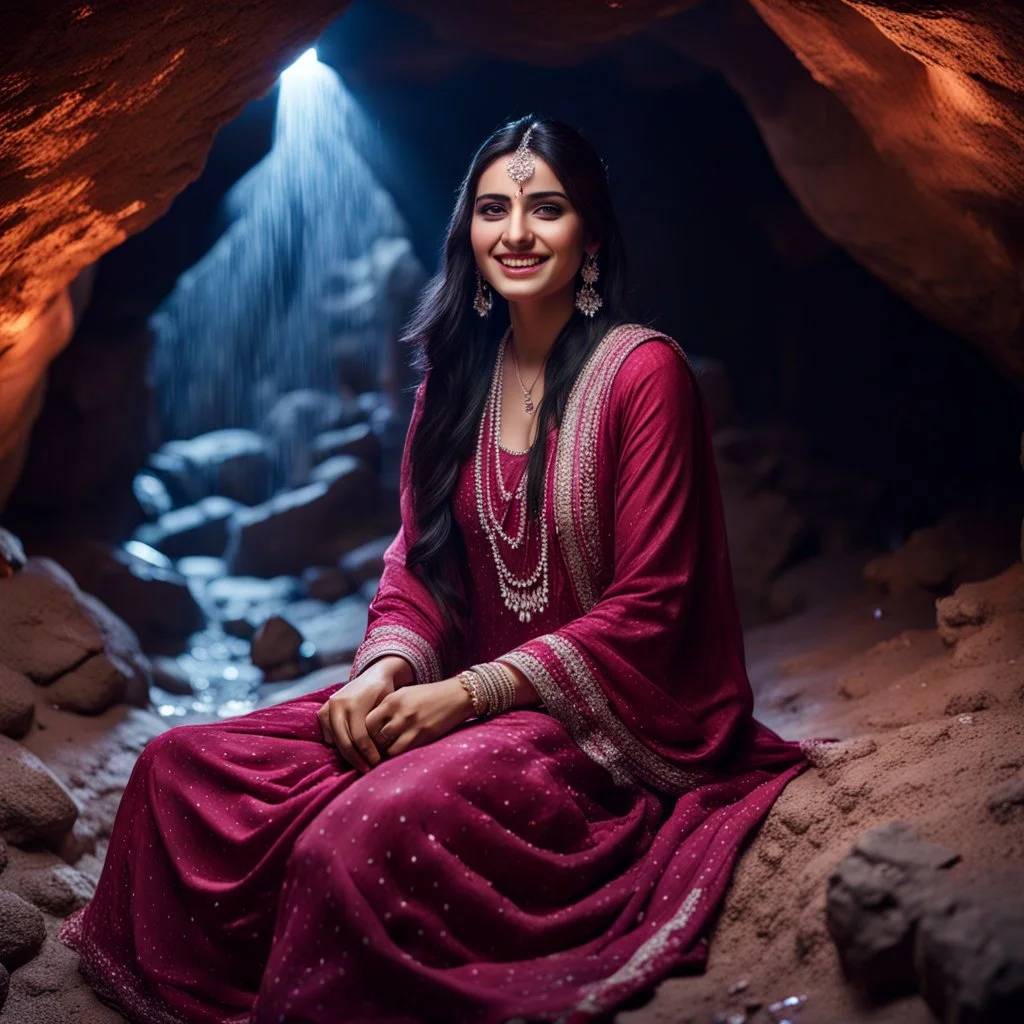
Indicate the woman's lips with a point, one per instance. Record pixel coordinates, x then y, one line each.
521 271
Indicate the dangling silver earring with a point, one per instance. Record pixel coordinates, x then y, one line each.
483 300
588 302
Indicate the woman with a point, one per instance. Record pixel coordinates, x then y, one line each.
527 800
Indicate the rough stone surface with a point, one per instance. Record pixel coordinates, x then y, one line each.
875 898
289 532
232 462
1006 802
90 688
48 883
34 805
358 440
5 984
22 930
17 702
969 954
12 554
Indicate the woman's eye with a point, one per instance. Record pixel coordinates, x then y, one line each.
550 208
491 208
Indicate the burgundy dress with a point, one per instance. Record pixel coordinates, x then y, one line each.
544 864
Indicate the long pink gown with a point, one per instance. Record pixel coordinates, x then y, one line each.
545 864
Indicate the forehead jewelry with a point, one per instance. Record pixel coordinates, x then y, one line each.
521 166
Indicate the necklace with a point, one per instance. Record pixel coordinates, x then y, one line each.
528 391
524 596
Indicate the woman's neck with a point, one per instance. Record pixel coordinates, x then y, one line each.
536 324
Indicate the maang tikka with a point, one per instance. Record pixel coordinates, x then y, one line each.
521 167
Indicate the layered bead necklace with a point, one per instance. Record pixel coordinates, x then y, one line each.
524 596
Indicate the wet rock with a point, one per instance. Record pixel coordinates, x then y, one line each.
326 583
199 529
969 954
365 562
152 495
275 643
358 440
17 703
12 554
170 676
875 897
1006 801
22 930
292 424
287 533
178 476
240 627
232 462
201 568
34 805
338 632
153 599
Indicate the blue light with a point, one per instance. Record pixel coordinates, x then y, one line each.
303 66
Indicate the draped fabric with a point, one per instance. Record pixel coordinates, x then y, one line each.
542 865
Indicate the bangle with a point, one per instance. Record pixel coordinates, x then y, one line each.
492 687
471 686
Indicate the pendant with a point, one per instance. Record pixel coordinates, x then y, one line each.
528 400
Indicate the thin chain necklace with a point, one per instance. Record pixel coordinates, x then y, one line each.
524 596
528 391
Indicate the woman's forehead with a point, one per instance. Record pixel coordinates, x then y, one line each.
495 179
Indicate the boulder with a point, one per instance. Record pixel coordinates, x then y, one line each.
22 930
1006 801
287 534
199 529
275 643
49 884
232 462
290 426
969 953
875 898
338 632
359 440
365 562
326 583
89 688
34 805
17 703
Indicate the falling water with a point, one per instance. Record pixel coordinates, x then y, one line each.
307 286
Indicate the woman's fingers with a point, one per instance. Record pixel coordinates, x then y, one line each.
362 742
343 739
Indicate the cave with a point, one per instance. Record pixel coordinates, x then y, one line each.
215 222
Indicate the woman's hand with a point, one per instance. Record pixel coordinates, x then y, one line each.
343 717
415 715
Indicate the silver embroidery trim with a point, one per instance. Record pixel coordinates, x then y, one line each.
646 765
404 642
576 457
584 732
636 970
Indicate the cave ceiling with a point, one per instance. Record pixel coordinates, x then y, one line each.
898 126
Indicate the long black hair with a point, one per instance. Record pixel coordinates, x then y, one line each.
457 349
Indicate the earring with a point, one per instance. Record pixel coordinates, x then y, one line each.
483 300
588 302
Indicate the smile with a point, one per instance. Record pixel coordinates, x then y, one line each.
517 266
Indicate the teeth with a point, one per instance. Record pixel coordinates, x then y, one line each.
522 263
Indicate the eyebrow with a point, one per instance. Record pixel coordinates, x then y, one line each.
530 195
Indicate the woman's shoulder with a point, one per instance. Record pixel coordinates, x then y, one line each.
647 362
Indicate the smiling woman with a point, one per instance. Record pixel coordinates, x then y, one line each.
527 800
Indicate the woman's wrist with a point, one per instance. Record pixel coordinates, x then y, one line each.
394 668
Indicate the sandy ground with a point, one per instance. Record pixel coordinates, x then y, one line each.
933 728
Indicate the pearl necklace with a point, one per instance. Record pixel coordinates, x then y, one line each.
523 596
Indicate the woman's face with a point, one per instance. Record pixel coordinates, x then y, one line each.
539 230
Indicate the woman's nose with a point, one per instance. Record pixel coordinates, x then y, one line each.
517 231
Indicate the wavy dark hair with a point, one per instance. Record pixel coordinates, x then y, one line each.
456 349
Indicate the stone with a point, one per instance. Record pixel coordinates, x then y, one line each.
232 462
34 805
170 676
828 753
12 554
958 617
326 583
153 599
365 562
290 426
54 887
359 440
179 478
22 930
338 632
5 984
152 495
1006 801
122 649
43 631
286 534
968 702
241 627
275 643
201 568
89 688
199 529
875 897
969 953
17 703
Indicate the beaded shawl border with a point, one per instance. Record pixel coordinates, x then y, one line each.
404 642
576 515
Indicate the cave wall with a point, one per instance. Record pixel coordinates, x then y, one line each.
898 126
